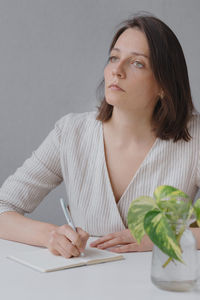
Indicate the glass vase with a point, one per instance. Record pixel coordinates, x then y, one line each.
170 274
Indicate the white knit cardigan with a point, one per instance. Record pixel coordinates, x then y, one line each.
74 152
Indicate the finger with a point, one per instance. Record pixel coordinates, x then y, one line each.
59 251
125 248
71 235
103 239
110 243
68 247
63 252
124 236
110 240
58 240
84 237
54 252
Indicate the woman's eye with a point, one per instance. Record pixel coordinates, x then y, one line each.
138 64
112 58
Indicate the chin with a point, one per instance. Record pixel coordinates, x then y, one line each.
113 100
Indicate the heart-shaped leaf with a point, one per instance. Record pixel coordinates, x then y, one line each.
159 230
167 192
137 210
173 201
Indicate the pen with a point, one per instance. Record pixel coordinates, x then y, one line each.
67 216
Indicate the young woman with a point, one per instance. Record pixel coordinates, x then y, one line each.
145 133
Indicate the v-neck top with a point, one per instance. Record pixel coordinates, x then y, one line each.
73 152
141 164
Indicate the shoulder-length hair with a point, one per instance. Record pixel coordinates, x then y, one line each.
173 111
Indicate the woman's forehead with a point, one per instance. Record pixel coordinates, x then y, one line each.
132 40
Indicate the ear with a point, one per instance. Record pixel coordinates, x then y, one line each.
161 94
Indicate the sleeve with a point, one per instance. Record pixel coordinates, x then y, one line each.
24 190
198 171
197 152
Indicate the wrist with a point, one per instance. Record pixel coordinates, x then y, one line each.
46 233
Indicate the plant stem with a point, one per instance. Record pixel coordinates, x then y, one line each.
167 261
178 240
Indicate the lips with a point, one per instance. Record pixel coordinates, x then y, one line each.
115 87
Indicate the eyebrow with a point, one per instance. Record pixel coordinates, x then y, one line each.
133 53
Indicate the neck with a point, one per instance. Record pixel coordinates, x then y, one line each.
131 127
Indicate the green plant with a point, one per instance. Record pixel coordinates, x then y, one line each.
158 218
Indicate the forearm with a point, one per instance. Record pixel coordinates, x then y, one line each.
196 232
16 227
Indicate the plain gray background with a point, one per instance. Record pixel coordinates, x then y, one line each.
52 56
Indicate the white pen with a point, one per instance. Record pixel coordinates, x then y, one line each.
67 214
68 217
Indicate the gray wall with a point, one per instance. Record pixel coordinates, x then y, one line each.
52 56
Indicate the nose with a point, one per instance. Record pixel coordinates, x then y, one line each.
118 70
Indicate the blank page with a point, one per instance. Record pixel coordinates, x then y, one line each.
94 255
44 261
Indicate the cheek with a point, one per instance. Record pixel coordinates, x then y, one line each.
106 72
153 83
153 87
105 75
148 84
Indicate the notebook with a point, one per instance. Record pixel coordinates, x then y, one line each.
44 261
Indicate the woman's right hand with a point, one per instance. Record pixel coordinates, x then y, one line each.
63 240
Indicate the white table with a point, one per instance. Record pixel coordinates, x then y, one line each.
119 280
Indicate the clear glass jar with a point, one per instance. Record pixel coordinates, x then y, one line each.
171 274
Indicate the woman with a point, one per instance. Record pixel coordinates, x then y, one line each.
145 133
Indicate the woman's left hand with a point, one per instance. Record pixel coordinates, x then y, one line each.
122 241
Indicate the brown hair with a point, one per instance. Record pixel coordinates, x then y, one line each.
172 112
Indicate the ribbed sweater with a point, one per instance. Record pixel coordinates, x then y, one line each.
73 152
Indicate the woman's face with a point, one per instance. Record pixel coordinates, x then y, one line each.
129 68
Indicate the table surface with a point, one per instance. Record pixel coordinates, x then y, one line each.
125 279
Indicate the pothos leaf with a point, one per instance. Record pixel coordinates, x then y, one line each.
172 200
137 210
168 192
160 232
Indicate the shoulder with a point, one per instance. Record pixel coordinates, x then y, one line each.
194 125
78 121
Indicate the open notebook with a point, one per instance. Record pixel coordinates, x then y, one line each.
42 260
